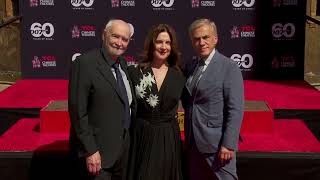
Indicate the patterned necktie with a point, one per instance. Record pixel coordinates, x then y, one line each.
123 92
196 75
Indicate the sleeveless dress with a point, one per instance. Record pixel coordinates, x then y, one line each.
155 136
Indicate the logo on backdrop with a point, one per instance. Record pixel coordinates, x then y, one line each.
245 31
284 61
162 4
122 3
83 31
131 61
115 3
82 4
283 31
35 3
74 56
44 61
243 5
42 31
245 61
279 3
202 3
276 3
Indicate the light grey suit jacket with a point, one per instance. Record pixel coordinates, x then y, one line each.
215 110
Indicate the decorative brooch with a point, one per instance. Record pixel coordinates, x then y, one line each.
145 84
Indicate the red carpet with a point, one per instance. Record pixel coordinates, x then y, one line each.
25 136
283 94
288 136
33 93
278 94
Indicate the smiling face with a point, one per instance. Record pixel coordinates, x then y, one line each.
204 40
116 38
162 47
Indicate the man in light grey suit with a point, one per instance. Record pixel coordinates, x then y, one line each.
213 103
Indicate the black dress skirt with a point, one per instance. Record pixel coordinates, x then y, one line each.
156 144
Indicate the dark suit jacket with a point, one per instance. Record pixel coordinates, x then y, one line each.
214 112
95 107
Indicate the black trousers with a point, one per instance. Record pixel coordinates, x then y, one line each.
117 172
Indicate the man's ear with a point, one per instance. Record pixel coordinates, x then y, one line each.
103 35
216 40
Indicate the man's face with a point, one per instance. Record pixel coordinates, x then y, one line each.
116 40
204 40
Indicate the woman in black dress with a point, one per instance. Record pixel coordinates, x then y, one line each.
156 144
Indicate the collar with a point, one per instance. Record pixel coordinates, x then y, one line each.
209 58
108 58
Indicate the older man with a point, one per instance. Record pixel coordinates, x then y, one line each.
101 104
213 103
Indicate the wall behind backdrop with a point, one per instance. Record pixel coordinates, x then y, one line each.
265 37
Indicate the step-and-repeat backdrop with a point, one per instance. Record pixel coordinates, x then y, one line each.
265 37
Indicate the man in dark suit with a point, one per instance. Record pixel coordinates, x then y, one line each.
213 103
101 104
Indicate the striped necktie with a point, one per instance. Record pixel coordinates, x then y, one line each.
196 75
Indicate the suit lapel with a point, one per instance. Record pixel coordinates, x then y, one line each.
210 72
105 69
193 68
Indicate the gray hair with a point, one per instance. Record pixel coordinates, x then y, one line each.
201 22
109 25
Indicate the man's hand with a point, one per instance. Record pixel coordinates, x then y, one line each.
94 163
225 155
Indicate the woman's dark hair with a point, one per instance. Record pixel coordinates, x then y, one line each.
149 47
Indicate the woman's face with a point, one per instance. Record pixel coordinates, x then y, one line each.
162 47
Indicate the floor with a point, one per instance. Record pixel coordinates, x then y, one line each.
4 86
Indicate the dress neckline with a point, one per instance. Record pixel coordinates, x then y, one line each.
155 87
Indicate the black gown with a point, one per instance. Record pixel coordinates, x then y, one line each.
155 137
